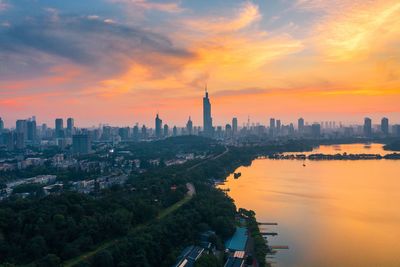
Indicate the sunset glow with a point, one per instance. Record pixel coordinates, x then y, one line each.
122 61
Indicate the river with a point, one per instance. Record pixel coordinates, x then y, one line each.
329 213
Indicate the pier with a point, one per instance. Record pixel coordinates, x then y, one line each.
278 247
269 233
267 223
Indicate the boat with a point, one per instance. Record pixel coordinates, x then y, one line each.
237 175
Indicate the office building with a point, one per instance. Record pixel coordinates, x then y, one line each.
158 124
70 127
166 130
385 126
300 125
31 130
59 128
367 127
189 126
234 126
207 119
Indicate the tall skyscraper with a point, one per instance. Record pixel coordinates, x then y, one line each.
367 127
174 131
385 126
70 127
189 126
300 125
207 119
234 126
81 144
158 125
59 123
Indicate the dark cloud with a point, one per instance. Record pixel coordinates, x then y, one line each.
38 43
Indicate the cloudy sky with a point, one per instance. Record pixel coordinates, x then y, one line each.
121 61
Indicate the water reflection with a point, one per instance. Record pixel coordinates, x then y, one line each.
330 213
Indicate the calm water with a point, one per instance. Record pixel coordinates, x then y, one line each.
330 213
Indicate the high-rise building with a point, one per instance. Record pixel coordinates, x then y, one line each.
367 127
189 126
385 126
1 126
144 132
272 123
59 127
272 126
81 144
158 125
166 130
8 140
228 131
396 130
174 131
31 130
278 126
70 127
21 128
135 133
316 130
234 125
300 125
207 119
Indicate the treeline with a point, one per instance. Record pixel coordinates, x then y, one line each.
64 226
169 147
393 145
160 243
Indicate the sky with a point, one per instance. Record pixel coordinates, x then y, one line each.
122 61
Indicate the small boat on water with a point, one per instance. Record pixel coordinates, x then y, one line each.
237 175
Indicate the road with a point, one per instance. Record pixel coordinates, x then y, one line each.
208 159
190 193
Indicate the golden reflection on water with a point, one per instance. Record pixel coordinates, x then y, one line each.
330 213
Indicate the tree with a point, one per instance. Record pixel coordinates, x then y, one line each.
208 260
103 258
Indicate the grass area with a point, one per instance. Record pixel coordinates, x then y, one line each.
113 242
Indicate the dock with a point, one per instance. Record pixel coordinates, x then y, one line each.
279 247
269 233
267 223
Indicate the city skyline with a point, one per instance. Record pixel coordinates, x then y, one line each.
129 59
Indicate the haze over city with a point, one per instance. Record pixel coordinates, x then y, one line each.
120 61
